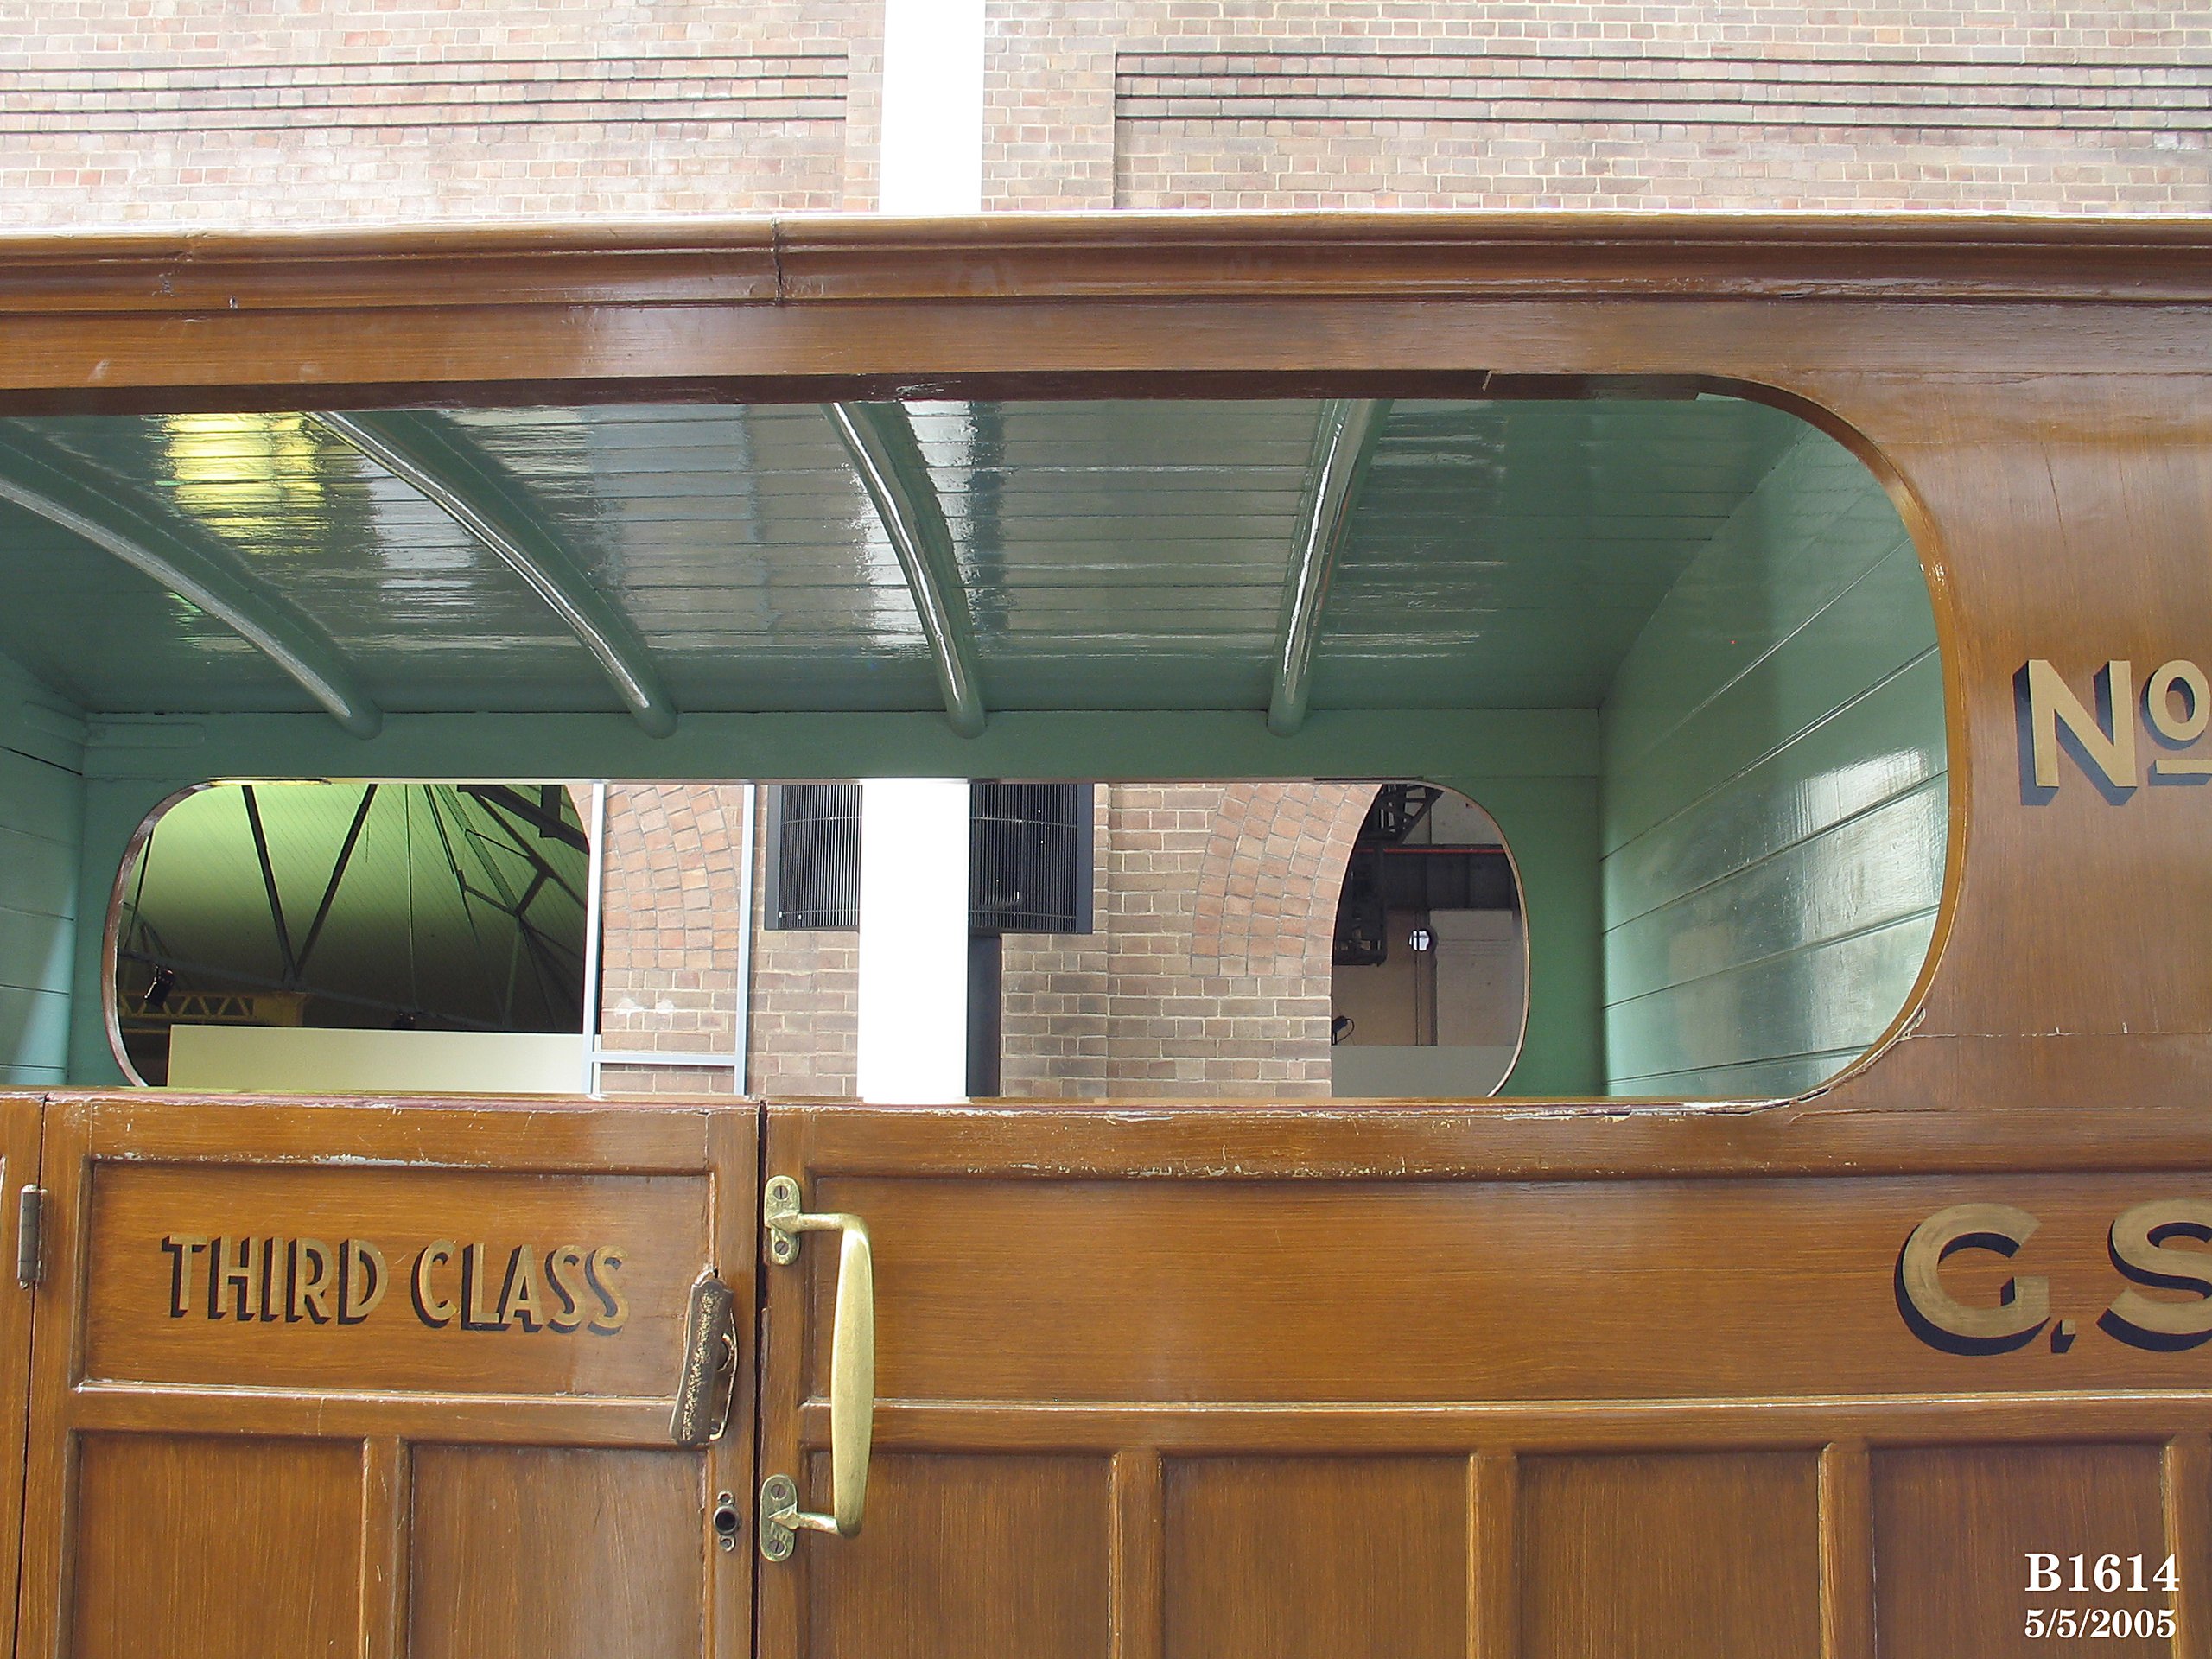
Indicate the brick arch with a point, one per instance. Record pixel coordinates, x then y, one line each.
1270 878
670 930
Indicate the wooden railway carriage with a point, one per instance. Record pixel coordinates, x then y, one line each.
1859 1368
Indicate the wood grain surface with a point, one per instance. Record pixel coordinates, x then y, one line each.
1609 1367
281 1486
1430 1291
1574 1411
147 1306
1953 1530
552 1553
2032 394
245 1547
20 1128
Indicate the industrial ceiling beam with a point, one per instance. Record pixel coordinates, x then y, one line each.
189 562
885 453
1342 449
442 464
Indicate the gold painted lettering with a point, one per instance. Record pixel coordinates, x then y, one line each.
2188 678
2025 1304
518 1297
272 1299
234 1277
361 1276
2051 703
600 1268
564 1271
313 1278
181 1248
2140 1250
474 1289
433 1309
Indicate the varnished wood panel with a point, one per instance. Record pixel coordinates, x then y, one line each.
1187 1291
19 1167
154 1316
1953 1529
1652 1557
988 1558
485 1498
249 1549
1322 1558
553 1554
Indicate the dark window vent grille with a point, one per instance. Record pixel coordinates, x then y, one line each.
1029 865
1029 858
815 855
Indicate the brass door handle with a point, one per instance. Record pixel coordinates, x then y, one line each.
852 1372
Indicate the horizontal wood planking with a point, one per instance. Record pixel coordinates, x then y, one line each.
1773 805
2122 1417
1163 1292
1387 1141
1790 674
42 814
1779 902
1831 995
34 1034
564 1135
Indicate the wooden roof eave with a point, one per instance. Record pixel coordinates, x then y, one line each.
829 258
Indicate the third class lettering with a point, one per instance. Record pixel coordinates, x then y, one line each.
473 1287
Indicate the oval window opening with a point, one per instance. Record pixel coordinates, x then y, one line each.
1429 964
278 935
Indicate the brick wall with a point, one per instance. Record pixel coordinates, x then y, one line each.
1208 972
117 112
1172 103
670 933
806 1002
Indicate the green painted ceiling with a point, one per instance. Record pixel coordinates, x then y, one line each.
1114 554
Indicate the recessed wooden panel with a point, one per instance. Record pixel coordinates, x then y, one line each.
161 1309
551 1553
1159 1290
988 1558
1653 1557
1954 1528
203 1548
1316 1558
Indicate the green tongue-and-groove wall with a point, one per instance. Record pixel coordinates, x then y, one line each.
1775 804
42 829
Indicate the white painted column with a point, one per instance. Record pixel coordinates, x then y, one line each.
913 1014
932 156
913 988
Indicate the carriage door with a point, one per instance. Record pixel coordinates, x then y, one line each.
19 1118
420 1379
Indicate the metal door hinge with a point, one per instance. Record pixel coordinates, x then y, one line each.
30 1235
778 1531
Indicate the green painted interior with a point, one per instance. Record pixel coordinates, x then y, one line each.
1510 567
1774 806
42 831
